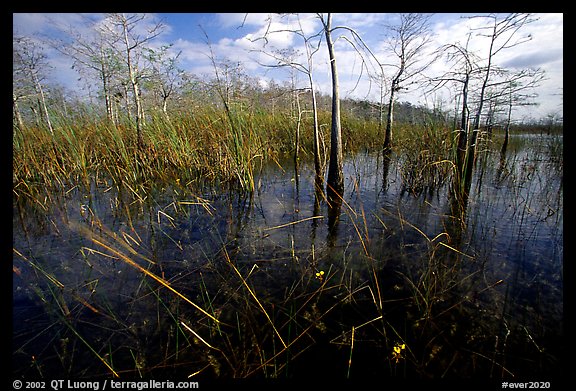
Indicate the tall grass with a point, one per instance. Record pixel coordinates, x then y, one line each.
188 147
425 155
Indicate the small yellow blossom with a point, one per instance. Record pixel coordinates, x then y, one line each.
320 275
397 352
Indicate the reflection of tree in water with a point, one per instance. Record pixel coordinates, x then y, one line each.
334 199
386 161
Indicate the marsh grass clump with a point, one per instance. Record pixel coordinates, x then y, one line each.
425 158
183 148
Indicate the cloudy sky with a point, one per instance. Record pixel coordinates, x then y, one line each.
233 36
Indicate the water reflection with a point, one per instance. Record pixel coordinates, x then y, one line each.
457 272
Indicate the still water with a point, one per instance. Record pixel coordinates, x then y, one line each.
469 291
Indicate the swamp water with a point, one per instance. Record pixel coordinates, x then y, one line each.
115 282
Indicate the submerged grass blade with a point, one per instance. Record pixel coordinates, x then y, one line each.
160 280
254 296
101 242
91 348
293 222
350 357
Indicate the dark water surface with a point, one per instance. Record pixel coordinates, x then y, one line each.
472 292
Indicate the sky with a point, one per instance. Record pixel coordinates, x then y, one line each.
234 37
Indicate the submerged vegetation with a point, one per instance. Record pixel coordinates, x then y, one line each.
179 293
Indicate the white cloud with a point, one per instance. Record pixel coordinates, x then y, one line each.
241 45
235 20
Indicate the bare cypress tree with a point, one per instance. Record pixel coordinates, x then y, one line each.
311 45
410 38
95 53
513 91
21 88
166 75
502 34
29 64
463 72
335 183
125 27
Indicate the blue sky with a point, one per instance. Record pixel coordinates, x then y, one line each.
230 35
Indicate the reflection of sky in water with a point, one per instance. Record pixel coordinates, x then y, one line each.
514 227
514 220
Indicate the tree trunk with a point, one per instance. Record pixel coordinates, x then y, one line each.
138 104
393 88
165 107
17 114
141 115
297 140
316 144
135 88
507 130
42 104
462 135
127 102
381 110
470 156
335 182
107 98
36 115
389 121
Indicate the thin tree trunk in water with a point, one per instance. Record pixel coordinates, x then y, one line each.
139 109
317 165
462 135
387 159
335 171
393 88
470 156
389 121
381 109
297 140
507 130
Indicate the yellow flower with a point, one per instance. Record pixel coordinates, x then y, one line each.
397 352
320 275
